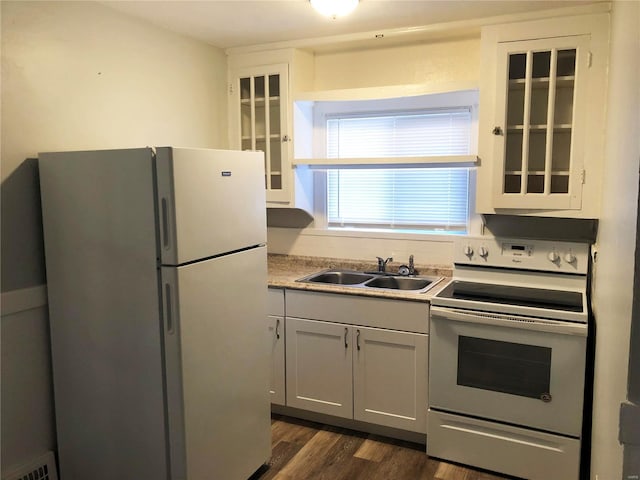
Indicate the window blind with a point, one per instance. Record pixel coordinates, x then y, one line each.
403 198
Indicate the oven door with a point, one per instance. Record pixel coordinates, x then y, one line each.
518 370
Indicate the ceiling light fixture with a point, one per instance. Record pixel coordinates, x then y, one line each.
334 8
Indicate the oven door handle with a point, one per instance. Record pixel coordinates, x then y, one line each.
509 321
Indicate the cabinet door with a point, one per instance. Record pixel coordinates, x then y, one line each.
539 128
260 99
319 367
277 377
390 378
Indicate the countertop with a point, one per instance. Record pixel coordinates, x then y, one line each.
284 270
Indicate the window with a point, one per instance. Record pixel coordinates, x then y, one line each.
409 199
423 199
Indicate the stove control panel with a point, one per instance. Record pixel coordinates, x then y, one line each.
524 254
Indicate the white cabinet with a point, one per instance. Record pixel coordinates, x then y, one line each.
389 374
540 124
259 99
276 335
261 85
342 361
319 367
542 104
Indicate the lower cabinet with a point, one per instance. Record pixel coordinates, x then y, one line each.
369 374
390 378
319 367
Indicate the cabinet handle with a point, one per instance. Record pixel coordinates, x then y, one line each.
346 331
358 339
497 131
278 328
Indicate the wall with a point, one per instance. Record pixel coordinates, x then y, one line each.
453 61
79 75
613 294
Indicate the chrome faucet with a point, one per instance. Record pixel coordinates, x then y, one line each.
382 264
412 268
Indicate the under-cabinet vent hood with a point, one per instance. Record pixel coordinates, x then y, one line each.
288 217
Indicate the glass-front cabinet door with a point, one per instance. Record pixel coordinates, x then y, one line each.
539 124
261 94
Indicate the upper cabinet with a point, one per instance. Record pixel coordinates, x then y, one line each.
260 89
542 103
539 145
259 99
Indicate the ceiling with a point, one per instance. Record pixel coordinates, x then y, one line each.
239 23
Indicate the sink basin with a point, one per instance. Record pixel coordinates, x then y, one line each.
399 283
371 280
338 278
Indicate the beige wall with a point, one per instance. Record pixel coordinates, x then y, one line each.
613 295
454 60
79 75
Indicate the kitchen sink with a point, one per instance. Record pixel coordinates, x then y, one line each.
372 280
399 283
338 278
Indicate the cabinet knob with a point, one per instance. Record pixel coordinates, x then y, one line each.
286 138
497 131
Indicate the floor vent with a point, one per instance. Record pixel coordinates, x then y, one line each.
41 468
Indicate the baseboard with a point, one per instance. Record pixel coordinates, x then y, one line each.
396 433
17 301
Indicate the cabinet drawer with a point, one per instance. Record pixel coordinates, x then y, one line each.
502 448
275 302
387 313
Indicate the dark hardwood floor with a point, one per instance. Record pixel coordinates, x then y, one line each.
305 450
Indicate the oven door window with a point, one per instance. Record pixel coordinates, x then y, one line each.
506 367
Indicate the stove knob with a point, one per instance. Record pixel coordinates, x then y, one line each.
553 257
569 257
483 252
468 250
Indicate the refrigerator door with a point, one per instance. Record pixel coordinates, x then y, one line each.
217 366
104 313
210 202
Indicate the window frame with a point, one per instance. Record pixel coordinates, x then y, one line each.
403 105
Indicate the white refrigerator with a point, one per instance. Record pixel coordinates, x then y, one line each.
157 283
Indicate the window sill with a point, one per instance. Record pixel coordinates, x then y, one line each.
377 234
389 162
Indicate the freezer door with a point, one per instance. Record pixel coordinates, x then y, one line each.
217 364
210 202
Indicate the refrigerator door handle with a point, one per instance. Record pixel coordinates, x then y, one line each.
169 306
165 224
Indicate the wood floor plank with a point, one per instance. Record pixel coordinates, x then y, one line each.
374 450
311 458
292 430
448 471
401 462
